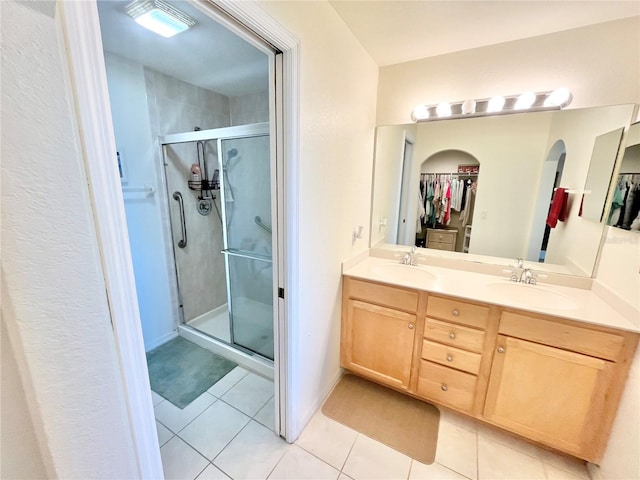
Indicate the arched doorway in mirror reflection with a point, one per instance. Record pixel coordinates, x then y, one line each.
549 180
448 185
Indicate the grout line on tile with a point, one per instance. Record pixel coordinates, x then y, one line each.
234 437
238 381
322 460
348 454
205 467
194 418
451 470
174 433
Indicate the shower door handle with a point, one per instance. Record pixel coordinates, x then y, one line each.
178 196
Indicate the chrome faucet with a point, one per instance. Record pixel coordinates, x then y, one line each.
410 258
524 275
527 277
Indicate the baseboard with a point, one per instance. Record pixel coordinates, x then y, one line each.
315 406
160 340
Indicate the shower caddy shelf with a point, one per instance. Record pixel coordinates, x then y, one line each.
203 185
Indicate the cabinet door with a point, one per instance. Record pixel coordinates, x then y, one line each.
378 342
550 395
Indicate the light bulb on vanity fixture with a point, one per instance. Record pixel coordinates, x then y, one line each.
159 17
421 112
496 105
443 110
525 100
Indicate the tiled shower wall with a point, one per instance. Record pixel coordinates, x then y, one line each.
176 107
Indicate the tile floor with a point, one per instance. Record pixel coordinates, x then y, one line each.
227 433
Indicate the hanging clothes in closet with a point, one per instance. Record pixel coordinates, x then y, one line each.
440 194
625 209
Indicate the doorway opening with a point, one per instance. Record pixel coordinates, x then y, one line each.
195 132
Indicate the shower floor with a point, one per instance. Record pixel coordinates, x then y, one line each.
253 325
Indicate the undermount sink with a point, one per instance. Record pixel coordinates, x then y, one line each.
399 271
533 295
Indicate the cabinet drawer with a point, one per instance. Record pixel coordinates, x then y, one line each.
451 356
454 335
442 246
458 311
442 236
582 340
447 386
386 295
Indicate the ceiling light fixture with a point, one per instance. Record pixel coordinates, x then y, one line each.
159 17
498 105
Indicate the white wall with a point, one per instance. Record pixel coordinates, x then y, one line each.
54 301
619 271
128 98
337 119
599 64
20 455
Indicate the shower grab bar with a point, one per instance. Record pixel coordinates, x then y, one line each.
258 221
246 254
178 197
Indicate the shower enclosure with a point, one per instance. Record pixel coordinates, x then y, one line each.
219 196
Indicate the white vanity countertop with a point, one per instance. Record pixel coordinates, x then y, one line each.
566 302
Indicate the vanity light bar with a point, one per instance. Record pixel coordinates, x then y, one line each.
525 102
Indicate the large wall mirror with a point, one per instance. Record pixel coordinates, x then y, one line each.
481 188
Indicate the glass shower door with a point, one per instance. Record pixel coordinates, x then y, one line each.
246 192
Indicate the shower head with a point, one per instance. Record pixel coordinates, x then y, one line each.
232 153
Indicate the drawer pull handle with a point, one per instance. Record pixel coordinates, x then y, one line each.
500 349
444 387
455 312
452 335
411 326
449 358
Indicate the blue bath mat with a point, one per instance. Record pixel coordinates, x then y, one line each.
180 371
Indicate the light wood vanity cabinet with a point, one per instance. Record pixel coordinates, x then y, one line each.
569 377
554 381
378 331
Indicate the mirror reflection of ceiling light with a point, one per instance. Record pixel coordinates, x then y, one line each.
498 105
469 106
159 17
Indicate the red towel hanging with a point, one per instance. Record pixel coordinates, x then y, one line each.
558 209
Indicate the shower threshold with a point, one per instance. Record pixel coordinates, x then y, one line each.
255 363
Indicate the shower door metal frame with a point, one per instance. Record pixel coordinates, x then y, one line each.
228 252
218 135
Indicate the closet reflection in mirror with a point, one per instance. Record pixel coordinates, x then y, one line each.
625 205
521 159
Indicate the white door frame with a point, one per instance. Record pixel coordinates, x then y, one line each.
81 29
